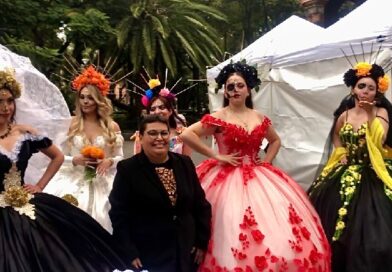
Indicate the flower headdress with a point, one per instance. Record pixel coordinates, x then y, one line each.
248 72
83 75
364 69
8 81
90 76
156 89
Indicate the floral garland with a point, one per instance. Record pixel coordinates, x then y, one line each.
8 81
90 76
349 181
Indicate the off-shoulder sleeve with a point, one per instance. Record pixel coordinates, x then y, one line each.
266 121
210 121
38 142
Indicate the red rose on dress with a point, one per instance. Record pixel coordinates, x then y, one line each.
314 256
242 256
305 233
257 236
261 262
242 237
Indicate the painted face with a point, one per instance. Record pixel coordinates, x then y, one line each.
365 89
87 102
236 89
7 106
159 108
155 139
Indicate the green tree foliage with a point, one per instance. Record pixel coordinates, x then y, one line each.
169 33
182 35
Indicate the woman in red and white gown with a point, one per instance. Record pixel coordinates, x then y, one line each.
262 220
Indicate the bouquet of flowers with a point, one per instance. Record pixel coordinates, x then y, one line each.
95 154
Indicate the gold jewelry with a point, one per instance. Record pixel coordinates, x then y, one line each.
5 135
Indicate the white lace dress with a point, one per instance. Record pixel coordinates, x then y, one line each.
92 195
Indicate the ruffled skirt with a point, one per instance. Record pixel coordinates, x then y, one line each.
60 238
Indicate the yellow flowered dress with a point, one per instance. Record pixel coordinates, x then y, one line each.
354 200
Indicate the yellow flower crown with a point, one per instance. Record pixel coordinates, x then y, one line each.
8 81
362 69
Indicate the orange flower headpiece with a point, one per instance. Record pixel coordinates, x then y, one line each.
364 69
90 76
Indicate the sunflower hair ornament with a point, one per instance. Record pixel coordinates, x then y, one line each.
248 72
156 89
8 82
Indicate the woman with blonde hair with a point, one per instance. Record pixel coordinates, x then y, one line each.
41 232
94 146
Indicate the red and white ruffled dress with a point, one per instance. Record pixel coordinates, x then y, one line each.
262 220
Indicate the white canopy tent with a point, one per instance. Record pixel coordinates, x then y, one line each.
289 36
301 88
41 105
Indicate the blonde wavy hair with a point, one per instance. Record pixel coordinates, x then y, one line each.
104 112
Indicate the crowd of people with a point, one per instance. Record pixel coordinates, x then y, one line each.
93 210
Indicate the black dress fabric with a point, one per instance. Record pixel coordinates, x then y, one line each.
52 235
355 208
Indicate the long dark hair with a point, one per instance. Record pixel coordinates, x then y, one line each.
173 118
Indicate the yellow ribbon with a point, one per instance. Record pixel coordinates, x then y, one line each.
377 152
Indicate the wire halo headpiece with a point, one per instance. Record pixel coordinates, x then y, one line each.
156 89
366 68
83 75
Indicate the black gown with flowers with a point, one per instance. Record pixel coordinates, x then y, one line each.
40 232
354 201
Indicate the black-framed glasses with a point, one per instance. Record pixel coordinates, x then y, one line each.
155 133
231 87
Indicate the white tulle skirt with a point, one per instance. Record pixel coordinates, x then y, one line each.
261 221
92 195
